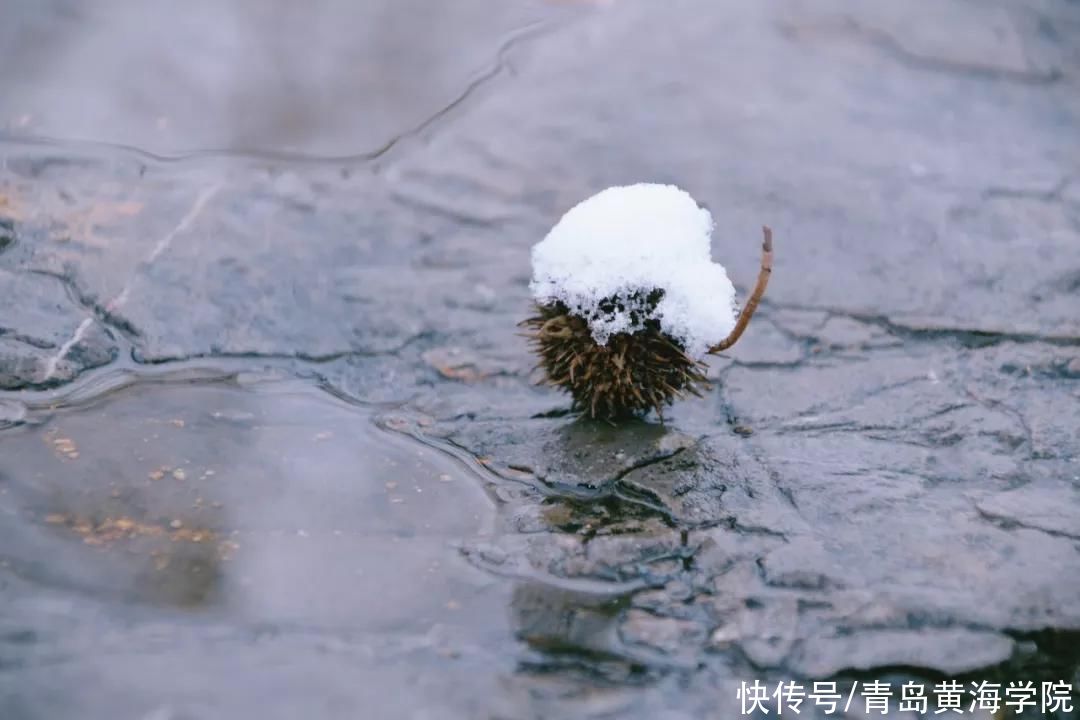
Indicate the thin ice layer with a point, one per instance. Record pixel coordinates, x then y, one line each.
607 254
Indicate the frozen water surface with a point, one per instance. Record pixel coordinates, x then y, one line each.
270 446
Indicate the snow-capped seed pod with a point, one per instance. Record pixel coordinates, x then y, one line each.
629 302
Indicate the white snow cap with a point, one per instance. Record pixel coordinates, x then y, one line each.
625 242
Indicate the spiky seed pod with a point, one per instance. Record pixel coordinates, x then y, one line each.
631 374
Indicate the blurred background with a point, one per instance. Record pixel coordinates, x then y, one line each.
331 77
272 446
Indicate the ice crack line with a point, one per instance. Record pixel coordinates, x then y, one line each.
53 363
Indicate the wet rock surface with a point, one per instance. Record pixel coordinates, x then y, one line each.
270 442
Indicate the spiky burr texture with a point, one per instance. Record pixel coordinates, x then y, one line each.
629 375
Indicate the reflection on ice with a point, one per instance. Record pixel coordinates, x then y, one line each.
271 503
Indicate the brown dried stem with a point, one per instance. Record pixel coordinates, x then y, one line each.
755 297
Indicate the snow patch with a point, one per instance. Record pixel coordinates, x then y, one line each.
610 254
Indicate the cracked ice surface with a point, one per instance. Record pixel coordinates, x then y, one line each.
883 481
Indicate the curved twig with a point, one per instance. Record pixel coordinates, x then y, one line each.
755 297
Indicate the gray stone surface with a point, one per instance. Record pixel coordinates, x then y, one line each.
884 481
